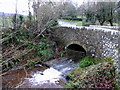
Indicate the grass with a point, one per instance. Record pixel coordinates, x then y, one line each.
79 24
81 17
70 21
87 62
7 22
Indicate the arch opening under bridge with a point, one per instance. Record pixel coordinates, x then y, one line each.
75 52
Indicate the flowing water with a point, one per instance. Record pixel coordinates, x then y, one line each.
39 76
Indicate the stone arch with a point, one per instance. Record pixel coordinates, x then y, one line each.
75 51
78 43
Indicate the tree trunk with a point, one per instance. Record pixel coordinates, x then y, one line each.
101 23
111 23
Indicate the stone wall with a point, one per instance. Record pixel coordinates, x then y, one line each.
98 42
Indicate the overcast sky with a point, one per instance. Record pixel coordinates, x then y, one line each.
8 6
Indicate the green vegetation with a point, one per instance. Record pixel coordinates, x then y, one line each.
22 43
79 24
23 47
45 49
97 75
31 63
18 45
81 17
70 21
6 22
28 40
87 62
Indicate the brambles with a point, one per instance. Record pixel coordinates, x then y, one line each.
30 63
99 75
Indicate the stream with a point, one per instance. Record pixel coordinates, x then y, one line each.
40 76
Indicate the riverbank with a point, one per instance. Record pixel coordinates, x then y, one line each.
101 75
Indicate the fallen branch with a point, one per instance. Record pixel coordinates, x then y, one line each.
5 54
17 56
8 37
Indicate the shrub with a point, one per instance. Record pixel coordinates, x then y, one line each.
107 59
45 49
87 62
69 18
79 24
30 63
30 46
101 75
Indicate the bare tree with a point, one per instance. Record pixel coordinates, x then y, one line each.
118 13
102 11
67 9
15 16
88 9
3 19
30 15
45 12
105 12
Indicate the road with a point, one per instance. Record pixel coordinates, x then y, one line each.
63 23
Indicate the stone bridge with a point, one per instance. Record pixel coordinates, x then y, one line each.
97 42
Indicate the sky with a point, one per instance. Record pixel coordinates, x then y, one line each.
8 6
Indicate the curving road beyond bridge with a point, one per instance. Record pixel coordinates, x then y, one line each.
63 23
